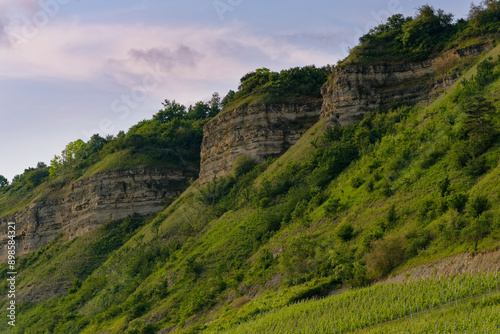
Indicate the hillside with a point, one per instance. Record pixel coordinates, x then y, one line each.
304 239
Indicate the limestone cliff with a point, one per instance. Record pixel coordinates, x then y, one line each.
258 131
354 90
91 203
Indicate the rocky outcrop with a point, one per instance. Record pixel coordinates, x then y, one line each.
258 131
354 90
91 203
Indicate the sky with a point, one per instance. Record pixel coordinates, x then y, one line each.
73 68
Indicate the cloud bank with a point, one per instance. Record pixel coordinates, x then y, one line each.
118 55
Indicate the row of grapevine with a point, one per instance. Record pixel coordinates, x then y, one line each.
465 319
371 306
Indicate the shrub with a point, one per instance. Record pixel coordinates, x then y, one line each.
333 205
477 166
150 329
444 186
458 201
431 158
266 260
75 286
428 210
479 205
357 182
214 190
385 255
417 241
455 226
386 189
243 165
392 216
298 257
345 232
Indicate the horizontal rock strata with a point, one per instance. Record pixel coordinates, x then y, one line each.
91 203
258 132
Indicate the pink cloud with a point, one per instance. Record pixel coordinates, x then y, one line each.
186 56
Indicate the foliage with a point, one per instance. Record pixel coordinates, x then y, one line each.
242 165
214 190
288 86
483 19
459 201
478 229
385 255
254 253
406 38
378 309
3 181
170 140
172 110
345 232
479 205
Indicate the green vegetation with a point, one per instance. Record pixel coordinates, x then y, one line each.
421 37
296 85
369 307
334 211
171 140
293 244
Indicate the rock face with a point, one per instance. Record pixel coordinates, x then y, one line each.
92 203
258 131
355 90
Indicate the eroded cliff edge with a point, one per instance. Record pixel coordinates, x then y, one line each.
93 202
354 90
258 131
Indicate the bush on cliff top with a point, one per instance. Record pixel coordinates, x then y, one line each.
288 86
425 35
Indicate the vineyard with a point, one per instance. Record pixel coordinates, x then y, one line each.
444 305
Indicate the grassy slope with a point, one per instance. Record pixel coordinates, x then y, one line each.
205 264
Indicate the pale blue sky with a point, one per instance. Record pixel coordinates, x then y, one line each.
71 68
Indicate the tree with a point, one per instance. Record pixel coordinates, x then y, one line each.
478 125
228 98
74 153
215 105
423 34
35 177
479 205
480 228
96 143
201 110
3 182
41 165
488 11
55 166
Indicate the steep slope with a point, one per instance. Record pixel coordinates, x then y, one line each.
355 90
91 203
257 132
134 174
340 207
262 120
